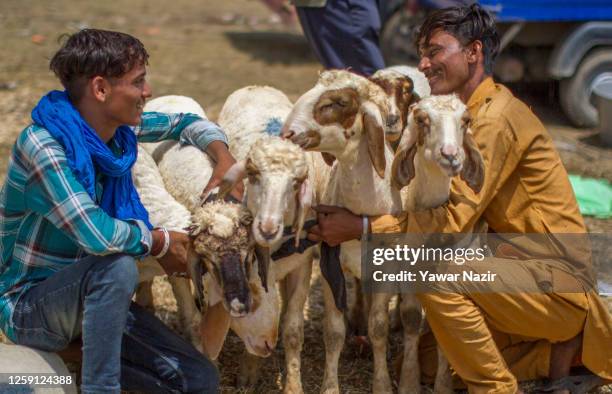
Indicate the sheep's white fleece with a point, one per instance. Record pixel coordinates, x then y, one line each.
250 113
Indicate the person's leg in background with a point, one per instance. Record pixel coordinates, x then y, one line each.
344 34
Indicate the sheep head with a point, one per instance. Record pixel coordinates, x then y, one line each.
222 243
440 126
337 113
277 188
399 89
258 329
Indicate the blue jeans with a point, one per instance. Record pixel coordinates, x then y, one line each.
124 346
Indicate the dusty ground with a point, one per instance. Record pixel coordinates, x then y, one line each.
206 50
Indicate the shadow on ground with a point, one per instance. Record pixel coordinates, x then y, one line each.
272 47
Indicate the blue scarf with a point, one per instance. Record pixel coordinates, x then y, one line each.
87 153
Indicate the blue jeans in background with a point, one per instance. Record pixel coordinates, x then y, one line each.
124 346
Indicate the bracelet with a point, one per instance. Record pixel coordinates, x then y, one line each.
366 227
166 244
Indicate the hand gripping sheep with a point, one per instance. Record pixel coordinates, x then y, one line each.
345 115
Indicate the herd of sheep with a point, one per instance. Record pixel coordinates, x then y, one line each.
377 145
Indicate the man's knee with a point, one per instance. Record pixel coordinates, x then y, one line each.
204 377
117 271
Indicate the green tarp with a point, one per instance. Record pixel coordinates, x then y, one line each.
594 196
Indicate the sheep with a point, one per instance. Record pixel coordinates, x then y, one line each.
344 115
220 230
185 170
163 104
404 86
419 80
164 209
282 180
428 156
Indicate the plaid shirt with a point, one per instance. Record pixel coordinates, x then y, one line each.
47 219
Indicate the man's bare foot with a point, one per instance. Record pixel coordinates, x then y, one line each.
561 356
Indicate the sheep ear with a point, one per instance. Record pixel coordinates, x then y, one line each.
235 174
263 262
402 169
304 202
213 329
375 132
328 158
473 165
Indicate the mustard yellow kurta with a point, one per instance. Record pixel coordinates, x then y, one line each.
526 190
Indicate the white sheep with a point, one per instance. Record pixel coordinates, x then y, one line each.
163 210
282 181
344 115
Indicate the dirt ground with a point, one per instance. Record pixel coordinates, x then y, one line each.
206 50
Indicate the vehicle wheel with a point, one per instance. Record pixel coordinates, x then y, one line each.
576 93
397 37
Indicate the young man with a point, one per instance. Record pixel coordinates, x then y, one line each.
494 339
72 224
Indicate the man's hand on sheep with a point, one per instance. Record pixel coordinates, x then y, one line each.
223 161
175 260
335 225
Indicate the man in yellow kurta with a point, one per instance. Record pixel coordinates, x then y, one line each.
494 339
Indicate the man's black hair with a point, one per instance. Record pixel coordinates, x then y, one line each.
92 52
467 24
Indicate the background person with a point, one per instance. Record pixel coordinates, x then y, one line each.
342 33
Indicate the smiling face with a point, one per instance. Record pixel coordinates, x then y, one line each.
445 62
127 95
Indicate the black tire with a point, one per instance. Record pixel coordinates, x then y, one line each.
396 38
576 92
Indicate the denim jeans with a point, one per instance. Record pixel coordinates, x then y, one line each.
124 346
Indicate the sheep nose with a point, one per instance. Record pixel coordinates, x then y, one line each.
449 152
268 231
237 308
287 134
392 120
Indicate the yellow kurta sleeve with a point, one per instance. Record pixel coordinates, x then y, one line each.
501 155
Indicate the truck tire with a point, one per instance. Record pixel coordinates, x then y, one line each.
396 38
576 92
